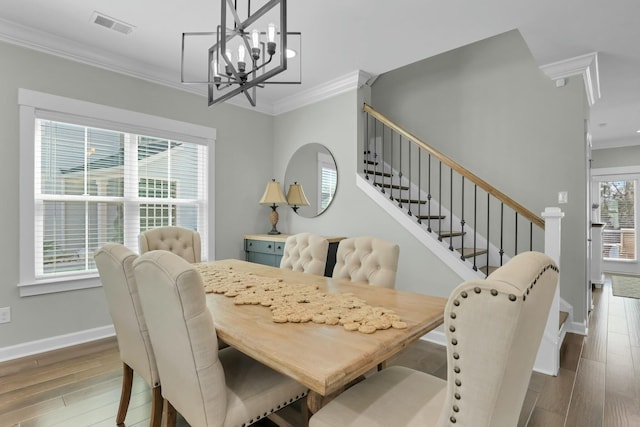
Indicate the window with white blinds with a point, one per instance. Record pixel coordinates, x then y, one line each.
96 182
328 180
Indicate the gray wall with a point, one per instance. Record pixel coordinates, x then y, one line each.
243 166
487 106
335 124
615 157
490 108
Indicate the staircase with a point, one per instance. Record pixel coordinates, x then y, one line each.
469 224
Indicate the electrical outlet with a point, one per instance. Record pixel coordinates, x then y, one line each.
5 314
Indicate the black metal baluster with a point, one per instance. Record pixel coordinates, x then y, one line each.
429 195
451 209
400 169
501 232
382 162
410 177
419 185
439 200
475 226
488 223
530 235
516 234
366 144
462 257
390 166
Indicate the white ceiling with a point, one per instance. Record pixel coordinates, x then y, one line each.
340 37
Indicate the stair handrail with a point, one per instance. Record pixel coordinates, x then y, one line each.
508 201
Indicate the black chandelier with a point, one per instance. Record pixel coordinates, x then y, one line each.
248 53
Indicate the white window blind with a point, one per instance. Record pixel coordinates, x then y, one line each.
95 186
327 180
92 174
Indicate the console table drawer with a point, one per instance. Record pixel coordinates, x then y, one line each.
268 249
264 246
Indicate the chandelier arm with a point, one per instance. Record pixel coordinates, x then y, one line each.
234 12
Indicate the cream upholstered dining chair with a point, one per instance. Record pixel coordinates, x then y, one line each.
179 240
493 329
367 259
305 252
115 265
208 387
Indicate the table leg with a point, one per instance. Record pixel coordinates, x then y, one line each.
315 401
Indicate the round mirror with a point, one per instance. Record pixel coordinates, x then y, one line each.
313 167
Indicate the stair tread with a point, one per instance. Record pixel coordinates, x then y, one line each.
470 252
415 201
563 318
393 186
490 269
452 233
378 173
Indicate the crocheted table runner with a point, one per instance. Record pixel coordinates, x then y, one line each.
298 303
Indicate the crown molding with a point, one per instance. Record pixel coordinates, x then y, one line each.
340 85
68 49
584 65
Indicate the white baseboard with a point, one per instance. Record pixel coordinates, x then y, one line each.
54 343
578 328
436 336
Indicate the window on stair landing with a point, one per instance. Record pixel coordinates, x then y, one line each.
617 211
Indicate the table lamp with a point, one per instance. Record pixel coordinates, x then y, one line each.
296 197
273 196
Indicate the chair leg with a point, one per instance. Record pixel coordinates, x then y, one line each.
156 407
125 395
170 415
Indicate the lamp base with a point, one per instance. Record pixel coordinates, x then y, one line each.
274 217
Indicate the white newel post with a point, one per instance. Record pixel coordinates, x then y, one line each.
548 359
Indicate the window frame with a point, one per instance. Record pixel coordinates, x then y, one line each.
37 105
620 173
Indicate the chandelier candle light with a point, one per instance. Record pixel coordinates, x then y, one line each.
247 53
273 195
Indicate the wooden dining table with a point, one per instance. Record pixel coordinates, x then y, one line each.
325 358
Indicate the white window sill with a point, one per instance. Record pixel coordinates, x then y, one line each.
48 286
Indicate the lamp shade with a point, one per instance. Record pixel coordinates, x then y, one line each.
296 196
273 194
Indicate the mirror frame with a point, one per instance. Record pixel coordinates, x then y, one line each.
303 167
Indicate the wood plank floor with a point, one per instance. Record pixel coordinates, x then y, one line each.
598 384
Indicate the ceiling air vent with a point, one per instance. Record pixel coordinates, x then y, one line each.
114 24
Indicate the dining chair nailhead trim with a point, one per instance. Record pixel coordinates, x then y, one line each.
452 328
